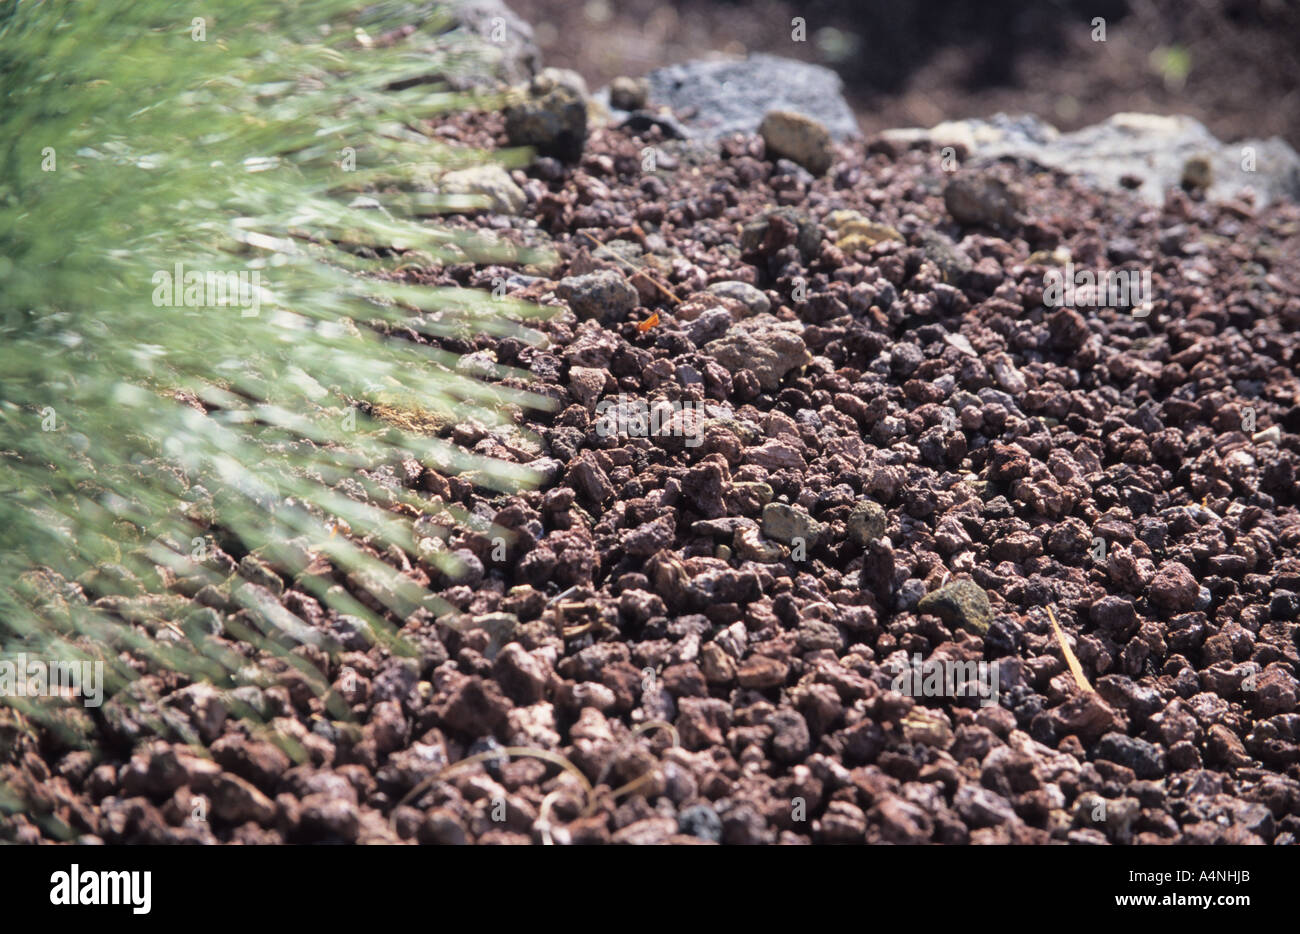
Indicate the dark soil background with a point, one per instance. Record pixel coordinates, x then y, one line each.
918 63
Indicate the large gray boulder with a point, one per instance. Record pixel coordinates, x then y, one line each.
1146 153
712 99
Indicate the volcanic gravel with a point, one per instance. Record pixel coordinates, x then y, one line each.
901 452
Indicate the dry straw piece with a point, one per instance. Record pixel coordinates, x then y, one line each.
1075 668
636 270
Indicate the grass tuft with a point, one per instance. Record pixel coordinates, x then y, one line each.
154 430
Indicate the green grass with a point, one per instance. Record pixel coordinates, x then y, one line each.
135 436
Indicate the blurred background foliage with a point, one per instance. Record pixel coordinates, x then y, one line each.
136 440
919 62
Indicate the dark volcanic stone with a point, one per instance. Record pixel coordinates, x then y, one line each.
1146 760
551 117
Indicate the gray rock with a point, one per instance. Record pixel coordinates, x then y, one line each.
785 523
601 294
586 385
566 78
628 93
722 528
709 326
953 263
799 138
977 198
910 594
486 181
700 820
1158 152
714 99
866 523
767 347
749 296
962 603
